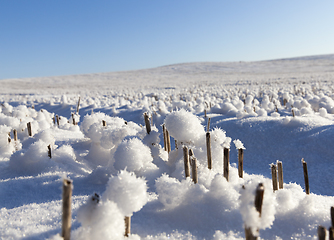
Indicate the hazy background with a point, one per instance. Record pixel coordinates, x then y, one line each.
46 38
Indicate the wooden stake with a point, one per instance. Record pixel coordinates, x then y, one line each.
241 162
147 123
208 126
331 233
165 137
280 174
15 134
208 150
168 142
57 117
307 186
226 162
73 120
49 151
186 161
54 120
67 216
127 226
274 177
293 113
321 233
78 106
258 205
194 169
9 138
29 129
332 216
104 123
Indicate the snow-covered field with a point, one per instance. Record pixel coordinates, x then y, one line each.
253 102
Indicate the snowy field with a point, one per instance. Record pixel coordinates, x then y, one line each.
276 110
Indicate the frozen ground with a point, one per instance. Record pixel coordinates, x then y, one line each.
250 101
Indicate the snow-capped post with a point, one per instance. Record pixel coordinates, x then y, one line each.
67 216
241 162
258 206
127 226
186 161
104 123
226 162
307 186
147 123
208 150
274 176
165 137
78 105
15 134
194 169
321 233
280 174
29 129
208 125
49 151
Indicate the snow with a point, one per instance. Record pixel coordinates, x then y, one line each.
119 170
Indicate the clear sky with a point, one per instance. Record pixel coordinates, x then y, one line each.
61 37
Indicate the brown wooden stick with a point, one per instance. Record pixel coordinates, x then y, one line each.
78 106
208 126
331 233
241 162
332 216
147 123
57 117
307 186
226 163
186 161
280 174
67 216
274 177
169 148
249 234
29 129
73 120
208 150
15 134
165 137
104 123
127 226
49 151
321 233
9 138
194 169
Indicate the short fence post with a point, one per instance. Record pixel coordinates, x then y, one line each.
147 123
66 219
29 129
49 151
15 134
208 150
127 226
226 162
186 161
241 162
168 142
274 177
321 233
194 169
307 186
280 174
165 137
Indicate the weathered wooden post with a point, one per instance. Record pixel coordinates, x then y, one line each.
186 161
169 148
57 117
104 123
280 174
241 162
15 134
274 177
321 233
127 226
147 123
208 125
49 151
307 186
208 150
194 169
29 129
67 216
258 206
165 137
226 162
78 105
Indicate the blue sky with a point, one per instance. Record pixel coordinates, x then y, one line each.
47 38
